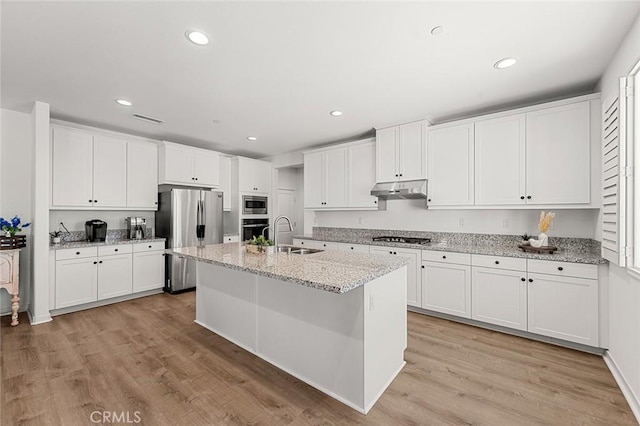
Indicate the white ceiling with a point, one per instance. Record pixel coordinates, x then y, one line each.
275 69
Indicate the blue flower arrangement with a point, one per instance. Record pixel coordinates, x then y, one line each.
12 226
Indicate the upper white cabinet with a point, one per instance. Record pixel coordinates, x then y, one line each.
450 164
325 175
109 172
361 174
225 181
500 161
558 155
71 168
185 165
142 175
253 175
400 152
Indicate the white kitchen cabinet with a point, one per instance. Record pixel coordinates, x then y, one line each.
109 172
563 307
114 276
231 239
446 288
184 165
558 155
499 297
361 175
315 244
500 161
148 269
71 168
225 181
414 287
142 175
450 165
325 175
76 281
354 248
400 152
254 175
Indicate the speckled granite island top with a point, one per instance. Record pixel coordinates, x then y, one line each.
333 271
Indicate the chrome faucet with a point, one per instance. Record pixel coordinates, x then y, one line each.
264 229
275 228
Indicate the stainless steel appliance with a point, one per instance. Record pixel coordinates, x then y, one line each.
96 230
406 240
254 228
407 190
136 227
187 217
254 204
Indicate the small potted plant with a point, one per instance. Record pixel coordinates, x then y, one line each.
8 238
258 245
55 236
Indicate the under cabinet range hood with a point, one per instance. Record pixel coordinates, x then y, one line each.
408 190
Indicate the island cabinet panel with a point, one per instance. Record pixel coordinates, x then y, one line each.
446 288
499 297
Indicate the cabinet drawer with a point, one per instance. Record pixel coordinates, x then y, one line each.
499 262
447 257
357 248
567 269
76 253
231 239
141 247
118 249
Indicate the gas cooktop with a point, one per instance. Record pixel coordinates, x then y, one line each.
406 240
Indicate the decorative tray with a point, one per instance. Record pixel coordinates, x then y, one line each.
528 248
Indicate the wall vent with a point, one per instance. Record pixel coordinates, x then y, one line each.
149 119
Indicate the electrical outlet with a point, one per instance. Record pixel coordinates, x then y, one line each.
359 220
506 223
315 219
461 222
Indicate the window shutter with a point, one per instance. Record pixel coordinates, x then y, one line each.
614 179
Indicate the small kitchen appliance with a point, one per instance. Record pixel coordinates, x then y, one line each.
136 227
96 230
254 204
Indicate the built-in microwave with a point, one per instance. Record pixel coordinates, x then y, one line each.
252 204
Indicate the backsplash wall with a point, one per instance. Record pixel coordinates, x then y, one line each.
74 220
410 215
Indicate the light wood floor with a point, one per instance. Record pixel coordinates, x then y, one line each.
147 355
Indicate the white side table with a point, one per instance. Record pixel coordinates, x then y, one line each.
9 275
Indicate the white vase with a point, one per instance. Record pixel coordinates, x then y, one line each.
544 239
56 240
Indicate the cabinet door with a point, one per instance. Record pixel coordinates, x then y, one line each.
450 166
414 288
206 168
109 172
71 168
245 175
499 297
386 154
262 176
76 282
225 181
178 164
500 161
148 271
411 151
563 307
558 155
335 177
446 288
142 175
114 276
313 181
353 248
361 175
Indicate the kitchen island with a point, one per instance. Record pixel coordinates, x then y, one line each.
337 321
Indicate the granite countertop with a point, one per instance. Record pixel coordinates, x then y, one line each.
329 270
108 242
490 248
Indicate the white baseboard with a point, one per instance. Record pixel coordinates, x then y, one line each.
38 320
629 394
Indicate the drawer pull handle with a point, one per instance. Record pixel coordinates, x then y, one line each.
522 279
444 257
422 266
395 252
390 252
560 268
77 252
95 263
530 280
100 261
497 262
115 249
149 246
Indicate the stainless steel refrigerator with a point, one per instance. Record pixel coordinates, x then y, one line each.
187 217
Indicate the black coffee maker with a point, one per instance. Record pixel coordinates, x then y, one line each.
96 230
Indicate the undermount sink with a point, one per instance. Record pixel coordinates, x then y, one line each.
296 250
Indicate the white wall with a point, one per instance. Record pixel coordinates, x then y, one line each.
411 215
624 290
16 180
74 220
291 178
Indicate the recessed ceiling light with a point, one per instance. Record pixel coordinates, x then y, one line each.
197 37
336 113
252 138
437 30
505 63
123 102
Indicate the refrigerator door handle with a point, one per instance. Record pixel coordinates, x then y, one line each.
200 221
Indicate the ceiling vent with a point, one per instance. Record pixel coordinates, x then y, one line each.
148 119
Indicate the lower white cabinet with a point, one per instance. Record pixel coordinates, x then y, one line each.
76 281
413 275
315 244
148 270
563 307
355 248
446 288
231 239
499 297
114 276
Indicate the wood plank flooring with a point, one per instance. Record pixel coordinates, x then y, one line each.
147 355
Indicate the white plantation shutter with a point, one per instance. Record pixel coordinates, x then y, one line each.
614 179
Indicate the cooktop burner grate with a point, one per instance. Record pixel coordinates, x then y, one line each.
406 240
